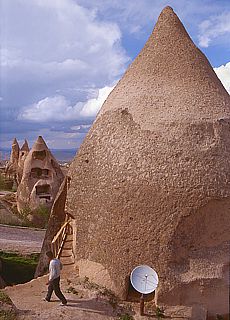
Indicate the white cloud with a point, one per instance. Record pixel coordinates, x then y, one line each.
79 127
49 109
60 139
213 28
92 106
223 72
58 108
65 50
136 17
56 45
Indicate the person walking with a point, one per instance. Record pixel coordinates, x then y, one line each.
55 267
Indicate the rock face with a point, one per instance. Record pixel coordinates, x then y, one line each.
151 182
41 178
56 220
21 159
12 167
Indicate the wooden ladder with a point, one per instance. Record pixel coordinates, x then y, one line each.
59 239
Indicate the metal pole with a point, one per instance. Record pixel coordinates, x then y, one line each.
142 305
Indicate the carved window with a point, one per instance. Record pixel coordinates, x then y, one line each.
39 155
36 172
43 189
39 173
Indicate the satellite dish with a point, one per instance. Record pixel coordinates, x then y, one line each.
144 279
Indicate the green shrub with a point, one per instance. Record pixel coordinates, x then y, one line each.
72 290
25 212
160 313
5 184
8 315
4 298
43 212
40 216
7 309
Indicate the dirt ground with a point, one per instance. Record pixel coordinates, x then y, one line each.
20 239
84 303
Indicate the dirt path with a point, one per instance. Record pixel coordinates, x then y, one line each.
20 239
86 300
87 306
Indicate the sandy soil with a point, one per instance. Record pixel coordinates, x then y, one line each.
84 304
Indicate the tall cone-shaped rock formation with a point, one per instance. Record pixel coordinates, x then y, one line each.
41 179
11 169
21 159
25 146
151 182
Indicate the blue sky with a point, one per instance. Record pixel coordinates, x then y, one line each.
61 58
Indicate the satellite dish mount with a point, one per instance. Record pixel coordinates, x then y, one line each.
144 280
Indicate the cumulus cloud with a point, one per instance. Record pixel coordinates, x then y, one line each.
66 50
83 127
56 46
92 106
223 72
137 17
213 28
58 108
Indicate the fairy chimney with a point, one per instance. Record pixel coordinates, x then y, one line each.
11 168
151 181
56 220
41 179
22 157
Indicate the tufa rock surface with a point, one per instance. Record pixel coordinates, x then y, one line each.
41 179
56 220
151 181
12 166
21 159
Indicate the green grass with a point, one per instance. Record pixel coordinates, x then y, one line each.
17 268
5 185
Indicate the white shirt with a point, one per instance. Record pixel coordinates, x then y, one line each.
55 267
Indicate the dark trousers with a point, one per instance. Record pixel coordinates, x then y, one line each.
55 286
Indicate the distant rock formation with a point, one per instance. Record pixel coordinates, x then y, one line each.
12 166
41 179
21 159
151 181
